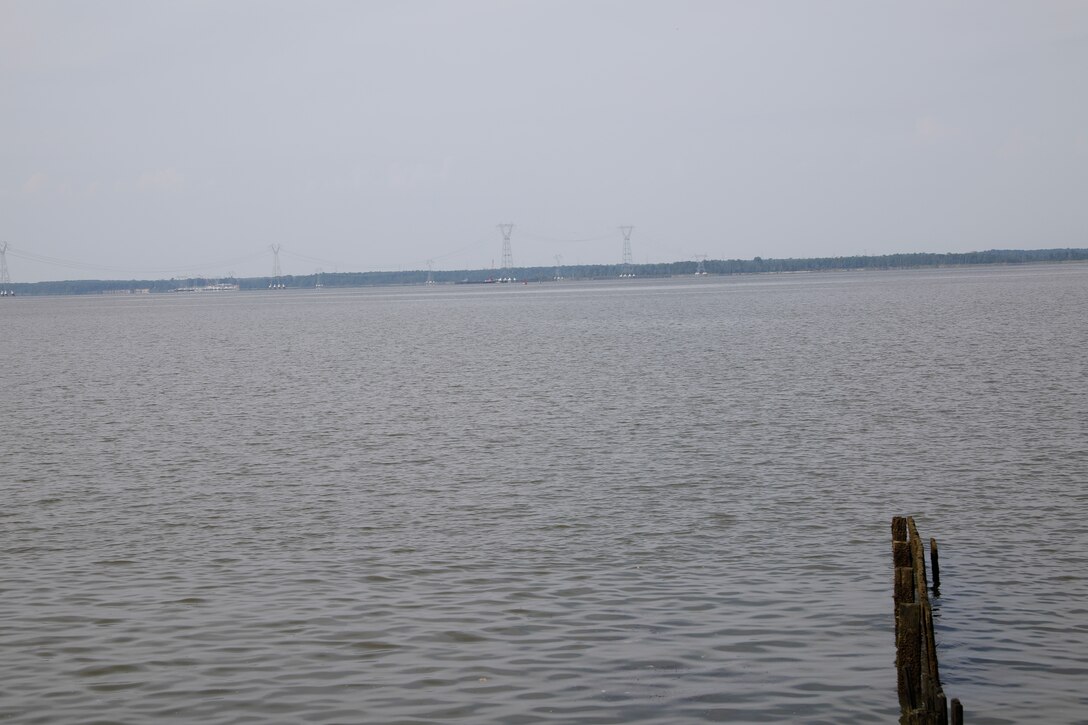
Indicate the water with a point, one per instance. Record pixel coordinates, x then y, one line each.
632 501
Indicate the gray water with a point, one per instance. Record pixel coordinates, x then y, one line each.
634 501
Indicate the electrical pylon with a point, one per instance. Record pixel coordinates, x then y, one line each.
507 255
276 282
430 271
558 267
700 269
627 269
5 278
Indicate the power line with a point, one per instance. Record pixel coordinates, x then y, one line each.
539 238
474 245
308 258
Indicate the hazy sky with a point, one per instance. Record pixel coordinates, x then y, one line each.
154 139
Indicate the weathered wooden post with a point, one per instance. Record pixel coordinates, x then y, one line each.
899 528
918 560
921 698
957 712
921 593
908 656
904 572
935 565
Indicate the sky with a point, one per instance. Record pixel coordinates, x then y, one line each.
161 139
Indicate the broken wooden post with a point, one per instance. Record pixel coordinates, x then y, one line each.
918 559
940 707
908 656
921 697
935 565
903 592
899 528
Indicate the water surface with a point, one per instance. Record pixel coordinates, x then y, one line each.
653 501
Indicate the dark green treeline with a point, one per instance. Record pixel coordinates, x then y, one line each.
757 265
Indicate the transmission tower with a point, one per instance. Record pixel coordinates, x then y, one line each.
5 278
558 267
700 269
627 269
507 255
430 271
276 282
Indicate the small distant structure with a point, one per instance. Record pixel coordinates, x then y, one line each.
430 271
5 278
506 274
220 287
558 267
217 286
700 268
627 268
277 281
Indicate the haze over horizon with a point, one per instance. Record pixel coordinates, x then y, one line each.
160 139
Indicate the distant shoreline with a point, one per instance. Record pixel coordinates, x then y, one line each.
709 267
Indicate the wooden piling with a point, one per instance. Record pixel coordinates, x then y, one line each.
921 697
918 558
903 591
935 565
957 712
904 586
929 641
908 659
899 528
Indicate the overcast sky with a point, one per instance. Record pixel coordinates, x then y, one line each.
154 139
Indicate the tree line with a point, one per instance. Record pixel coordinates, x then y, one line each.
757 265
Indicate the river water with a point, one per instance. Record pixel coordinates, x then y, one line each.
651 501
